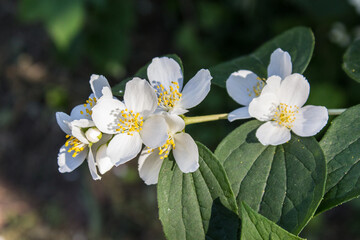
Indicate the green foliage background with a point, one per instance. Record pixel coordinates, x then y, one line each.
48 49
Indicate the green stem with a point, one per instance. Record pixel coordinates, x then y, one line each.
336 111
206 118
215 117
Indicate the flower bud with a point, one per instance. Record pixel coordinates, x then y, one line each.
93 135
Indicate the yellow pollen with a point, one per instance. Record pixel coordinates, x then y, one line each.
167 98
90 103
75 145
285 115
129 122
165 149
258 88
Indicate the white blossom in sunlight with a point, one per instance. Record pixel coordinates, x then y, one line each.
280 104
243 86
183 147
83 138
132 122
166 76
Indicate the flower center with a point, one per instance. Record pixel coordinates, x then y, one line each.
90 103
256 89
130 122
168 98
165 149
76 146
285 115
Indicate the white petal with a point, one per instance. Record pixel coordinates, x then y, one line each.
280 64
66 162
92 166
79 134
273 84
178 110
63 121
186 153
154 131
140 97
240 113
106 114
97 84
263 107
310 120
196 89
164 71
124 147
294 90
240 86
106 92
271 133
76 129
103 161
104 139
149 166
175 123
83 123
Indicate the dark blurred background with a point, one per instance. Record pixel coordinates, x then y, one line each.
49 49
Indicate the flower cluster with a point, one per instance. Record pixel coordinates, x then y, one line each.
109 132
278 100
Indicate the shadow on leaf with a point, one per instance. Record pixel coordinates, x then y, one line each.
223 224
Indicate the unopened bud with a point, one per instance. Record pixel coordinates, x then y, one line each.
93 135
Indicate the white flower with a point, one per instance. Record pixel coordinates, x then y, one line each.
243 86
281 106
166 76
132 122
184 148
83 138
79 147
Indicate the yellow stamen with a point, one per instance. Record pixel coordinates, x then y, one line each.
129 122
167 98
285 115
76 146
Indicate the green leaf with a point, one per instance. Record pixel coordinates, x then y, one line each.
351 64
256 226
118 89
197 205
284 183
299 42
66 24
341 146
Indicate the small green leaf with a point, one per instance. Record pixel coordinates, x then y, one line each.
341 146
351 64
299 42
284 183
197 205
256 226
66 24
118 89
